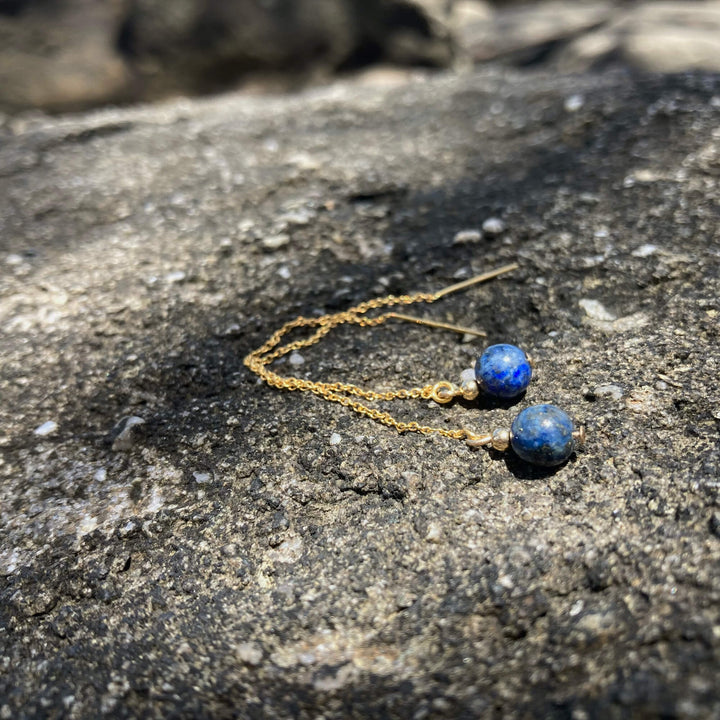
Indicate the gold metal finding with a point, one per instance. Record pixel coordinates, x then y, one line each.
437 324
469 389
476 441
501 440
477 279
345 393
444 391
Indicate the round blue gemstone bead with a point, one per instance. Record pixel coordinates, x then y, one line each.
543 435
503 371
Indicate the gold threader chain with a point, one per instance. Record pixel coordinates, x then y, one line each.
344 393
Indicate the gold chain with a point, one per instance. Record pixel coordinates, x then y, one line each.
259 360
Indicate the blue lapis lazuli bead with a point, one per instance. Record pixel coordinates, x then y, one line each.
543 435
503 371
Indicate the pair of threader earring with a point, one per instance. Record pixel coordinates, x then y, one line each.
541 434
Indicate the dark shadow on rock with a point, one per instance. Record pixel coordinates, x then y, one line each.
526 471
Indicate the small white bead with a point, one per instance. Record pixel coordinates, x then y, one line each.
466 375
470 389
501 439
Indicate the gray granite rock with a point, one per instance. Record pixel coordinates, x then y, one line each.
663 36
528 32
667 36
59 55
256 553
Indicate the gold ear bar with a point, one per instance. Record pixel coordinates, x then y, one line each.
436 324
477 279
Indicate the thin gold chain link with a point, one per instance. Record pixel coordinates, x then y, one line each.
259 360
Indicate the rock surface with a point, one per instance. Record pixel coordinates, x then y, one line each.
654 36
70 54
59 55
245 552
668 37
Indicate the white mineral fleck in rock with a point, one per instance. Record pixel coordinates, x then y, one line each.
307 658
201 477
505 581
124 439
335 439
631 322
289 551
275 242
610 390
87 524
434 533
296 359
574 103
156 500
249 653
9 562
127 528
645 250
46 428
467 236
595 310
297 217
176 276
493 226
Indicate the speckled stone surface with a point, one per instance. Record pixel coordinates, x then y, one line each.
178 540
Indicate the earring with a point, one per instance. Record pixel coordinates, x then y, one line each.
544 435
502 371
541 434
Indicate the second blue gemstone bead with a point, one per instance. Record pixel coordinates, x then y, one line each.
503 371
543 435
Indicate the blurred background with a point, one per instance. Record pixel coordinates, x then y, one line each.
60 55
